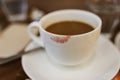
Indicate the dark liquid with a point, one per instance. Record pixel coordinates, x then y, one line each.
69 28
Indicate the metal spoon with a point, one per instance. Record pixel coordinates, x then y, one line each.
6 60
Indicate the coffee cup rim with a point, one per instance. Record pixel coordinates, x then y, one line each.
65 10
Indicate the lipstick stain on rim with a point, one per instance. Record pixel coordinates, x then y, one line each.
60 39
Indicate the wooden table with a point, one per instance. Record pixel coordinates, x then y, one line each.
13 70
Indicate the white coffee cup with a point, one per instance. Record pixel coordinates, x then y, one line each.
64 49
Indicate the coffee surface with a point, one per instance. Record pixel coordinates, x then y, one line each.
69 28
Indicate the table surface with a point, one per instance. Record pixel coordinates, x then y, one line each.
13 70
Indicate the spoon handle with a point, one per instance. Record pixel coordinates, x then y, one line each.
6 60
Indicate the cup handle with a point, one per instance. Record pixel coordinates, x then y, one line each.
32 35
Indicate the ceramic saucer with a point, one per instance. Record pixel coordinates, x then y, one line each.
104 65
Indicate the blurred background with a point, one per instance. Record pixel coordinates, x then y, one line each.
50 5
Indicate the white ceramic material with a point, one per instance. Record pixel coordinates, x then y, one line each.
68 49
104 65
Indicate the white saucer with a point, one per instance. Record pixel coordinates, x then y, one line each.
104 66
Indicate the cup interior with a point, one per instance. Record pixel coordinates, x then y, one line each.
71 15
